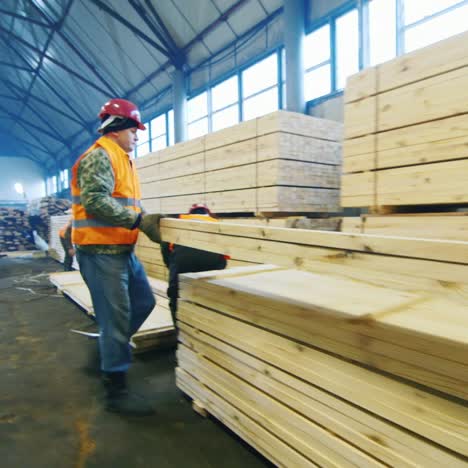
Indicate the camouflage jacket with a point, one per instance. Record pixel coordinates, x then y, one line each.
96 182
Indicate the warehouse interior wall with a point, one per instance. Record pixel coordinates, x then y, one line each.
331 108
24 171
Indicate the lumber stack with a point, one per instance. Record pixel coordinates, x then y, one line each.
40 211
351 350
55 246
282 162
15 231
156 332
406 130
251 353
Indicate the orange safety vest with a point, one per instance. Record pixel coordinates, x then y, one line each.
198 217
89 230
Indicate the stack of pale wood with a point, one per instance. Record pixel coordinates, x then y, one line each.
358 359
282 162
55 246
156 332
42 209
15 231
406 143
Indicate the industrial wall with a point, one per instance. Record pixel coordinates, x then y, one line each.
24 171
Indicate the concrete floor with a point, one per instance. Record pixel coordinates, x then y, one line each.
51 412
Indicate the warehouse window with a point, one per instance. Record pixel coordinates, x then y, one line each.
143 144
347 47
225 104
429 22
54 184
317 80
382 31
158 133
260 88
64 183
197 112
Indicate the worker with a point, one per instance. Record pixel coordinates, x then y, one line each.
107 216
180 259
65 234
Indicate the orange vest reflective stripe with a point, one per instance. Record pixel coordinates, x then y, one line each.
89 230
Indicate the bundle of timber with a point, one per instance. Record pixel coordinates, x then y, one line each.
252 353
156 332
55 246
42 209
282 162
359 277
15 231
406 130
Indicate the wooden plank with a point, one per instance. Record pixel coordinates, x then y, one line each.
436 59
453 226
433 249
361 85
299 124
250 431
432 417
230 155
428 142
435 183
297 199
353 224
240 132
151 205
182 203
360 118
314 442
234 178
384 441
232 201
420 356
185 148
297 173
433 98
298 147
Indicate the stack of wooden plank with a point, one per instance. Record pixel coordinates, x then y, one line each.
406 130
360 359
15 231
55 246
41 209
156 332
282 162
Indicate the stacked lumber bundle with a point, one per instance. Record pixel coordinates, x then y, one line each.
250 353
406 130
42 209
156 332
55 246
282 162
352 349
15 231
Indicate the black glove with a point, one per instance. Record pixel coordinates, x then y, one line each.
149 224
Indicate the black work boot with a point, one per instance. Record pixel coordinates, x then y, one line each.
120 400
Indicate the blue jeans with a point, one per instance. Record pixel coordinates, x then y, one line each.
122 300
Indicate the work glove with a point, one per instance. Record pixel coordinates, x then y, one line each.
149 224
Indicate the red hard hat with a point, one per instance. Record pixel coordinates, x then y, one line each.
196 206
122 108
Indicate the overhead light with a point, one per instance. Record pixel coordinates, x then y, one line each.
19 188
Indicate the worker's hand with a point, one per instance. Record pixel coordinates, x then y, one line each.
149 224
71 252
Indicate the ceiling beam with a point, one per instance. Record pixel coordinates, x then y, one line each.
174 53
14 65
131 27
10 35
75 49
24 18
25 144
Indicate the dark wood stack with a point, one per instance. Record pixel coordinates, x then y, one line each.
42 209
15 231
